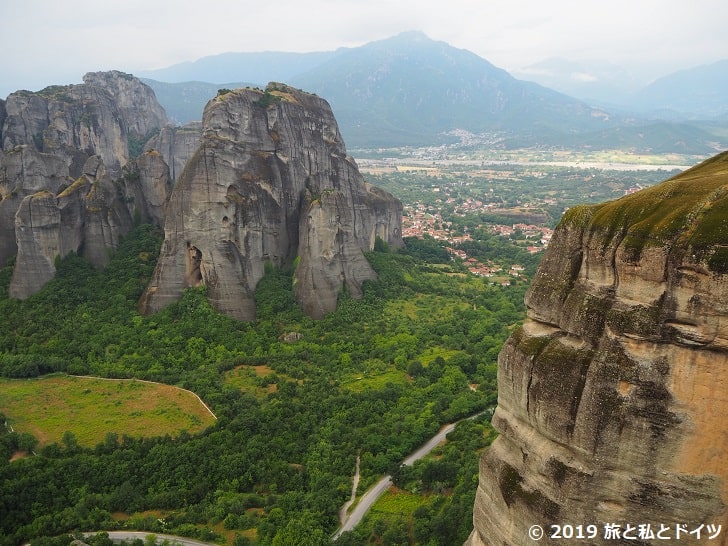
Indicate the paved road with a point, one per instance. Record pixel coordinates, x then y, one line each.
118 536
352 520
365 503
370 497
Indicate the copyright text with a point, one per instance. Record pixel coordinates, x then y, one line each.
626 531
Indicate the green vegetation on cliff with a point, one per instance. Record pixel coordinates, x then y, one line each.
690 209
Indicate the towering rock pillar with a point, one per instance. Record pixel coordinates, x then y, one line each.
612 397
270 181
67 183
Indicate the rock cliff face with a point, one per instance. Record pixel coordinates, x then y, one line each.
88 218
270 181
66 179
612 396
74 122
3 115
140 112
177 145
23 172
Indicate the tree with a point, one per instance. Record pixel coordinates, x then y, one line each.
27 442
301 531
70 442
415 368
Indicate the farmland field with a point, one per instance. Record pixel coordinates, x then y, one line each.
90 408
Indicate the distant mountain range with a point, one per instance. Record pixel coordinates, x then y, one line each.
591 81
696 93
411 90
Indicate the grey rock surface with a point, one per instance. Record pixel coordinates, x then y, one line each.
67 183
177 145
270 181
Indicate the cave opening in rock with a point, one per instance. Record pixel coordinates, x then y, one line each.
193 275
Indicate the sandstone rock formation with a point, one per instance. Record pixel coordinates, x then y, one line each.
89 217
612 396
139 110
74 122
270 181
3 114
177 145
24 171
66 179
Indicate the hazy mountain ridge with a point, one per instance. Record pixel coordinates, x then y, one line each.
591 81
411 90
691 93
258 67
698 92
423 88
185 101
655 137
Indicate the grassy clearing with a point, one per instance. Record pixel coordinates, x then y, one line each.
90 408
398 502
248 379
431 353
375 381
424 307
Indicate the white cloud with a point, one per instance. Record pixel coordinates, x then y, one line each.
583 77
45 41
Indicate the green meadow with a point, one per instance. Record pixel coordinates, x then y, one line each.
90 408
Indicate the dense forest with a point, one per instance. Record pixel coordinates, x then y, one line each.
375 378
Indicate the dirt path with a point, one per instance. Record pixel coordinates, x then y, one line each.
354 485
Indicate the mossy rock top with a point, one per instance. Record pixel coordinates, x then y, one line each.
690 209
273 93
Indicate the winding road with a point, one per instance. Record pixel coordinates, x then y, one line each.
370 497
348 521
118 536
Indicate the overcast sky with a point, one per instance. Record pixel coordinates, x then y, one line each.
45 42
